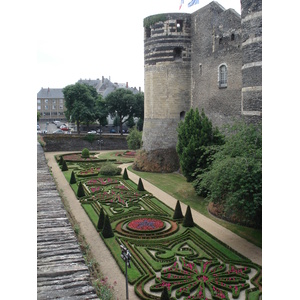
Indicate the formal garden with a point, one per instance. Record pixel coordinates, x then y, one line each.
171 256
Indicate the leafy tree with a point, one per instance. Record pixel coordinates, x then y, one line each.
38 116
80 102
177 212
107 231
188 219
140 185
80 191
73 178
101 219
139 106
125 174
121 103
234 178
130 123
101 112
195 132
134 139
165 294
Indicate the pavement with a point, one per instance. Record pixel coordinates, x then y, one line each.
99 250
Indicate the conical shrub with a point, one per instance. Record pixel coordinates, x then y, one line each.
188 219
73 178
101 220
80 191
107 231
61 160
165 294
64 166
140 185
177 212
125 175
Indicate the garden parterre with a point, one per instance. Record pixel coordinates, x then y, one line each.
188 261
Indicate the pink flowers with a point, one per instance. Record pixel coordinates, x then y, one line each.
146 224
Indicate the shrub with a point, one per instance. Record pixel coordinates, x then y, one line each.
110 170
73 178
125 175
188 219
134 139
64 166
101 220
178 212
80 191
165 294
107 231
140 185
85 153
61 160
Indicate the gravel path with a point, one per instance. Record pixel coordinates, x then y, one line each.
107 263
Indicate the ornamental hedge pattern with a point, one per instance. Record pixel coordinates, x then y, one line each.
166 256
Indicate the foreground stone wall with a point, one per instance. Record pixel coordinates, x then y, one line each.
77 143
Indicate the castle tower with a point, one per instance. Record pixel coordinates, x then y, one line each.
251 25
167 60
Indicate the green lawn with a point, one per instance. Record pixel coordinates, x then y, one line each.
176 185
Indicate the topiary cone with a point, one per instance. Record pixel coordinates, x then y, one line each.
177 212
107 231
125 175
165 294
61 160
101 219
73 178
188 219
140 185
64 166
80 191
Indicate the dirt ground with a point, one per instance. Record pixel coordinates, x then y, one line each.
108 266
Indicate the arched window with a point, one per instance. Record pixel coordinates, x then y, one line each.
222 76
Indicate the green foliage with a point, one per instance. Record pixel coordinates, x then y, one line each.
235 175
85 153
130 123
61 160
195 132
165 294
125 174
140 185
64 166
134 139
101 219
80 191
38 116
101 112
73 178
188 219
107 231
110 170
177 212
90 137
154 19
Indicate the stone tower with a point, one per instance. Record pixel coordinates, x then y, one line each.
251 25
167 54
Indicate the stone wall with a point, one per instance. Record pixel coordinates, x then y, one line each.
77 143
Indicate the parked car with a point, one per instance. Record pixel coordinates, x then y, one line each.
92 132
38 127
58 131
112 131
64 127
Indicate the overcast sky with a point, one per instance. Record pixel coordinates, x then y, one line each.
95 38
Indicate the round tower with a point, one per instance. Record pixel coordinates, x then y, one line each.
167 69
251 25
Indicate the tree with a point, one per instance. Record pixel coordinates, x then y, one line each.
107 231
188 219
140 185
64 166
134 139
80 191
73 178
177 212
101 219
195 132
38 116
125 174
234 178
120 103
80 102
101 112
165 294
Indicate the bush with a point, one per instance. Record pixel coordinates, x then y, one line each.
107 231
188 219
64 166
101 220
80 191
61 160
140 185
110 170
73 178
125 175
165 294
134 139
85 153
177 212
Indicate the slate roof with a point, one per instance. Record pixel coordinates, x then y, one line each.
50 93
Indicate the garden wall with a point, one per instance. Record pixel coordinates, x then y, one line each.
77 143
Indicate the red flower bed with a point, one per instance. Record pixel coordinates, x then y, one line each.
146 224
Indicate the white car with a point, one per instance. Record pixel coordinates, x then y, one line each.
92 132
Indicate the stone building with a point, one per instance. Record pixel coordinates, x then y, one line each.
211 60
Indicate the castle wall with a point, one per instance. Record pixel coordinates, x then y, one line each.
216 40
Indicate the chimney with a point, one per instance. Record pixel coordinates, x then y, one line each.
126 85
102 79
48 90
139 89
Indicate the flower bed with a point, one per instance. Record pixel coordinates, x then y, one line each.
146 224
88 172
77 157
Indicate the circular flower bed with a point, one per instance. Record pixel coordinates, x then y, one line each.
146 224
89 172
